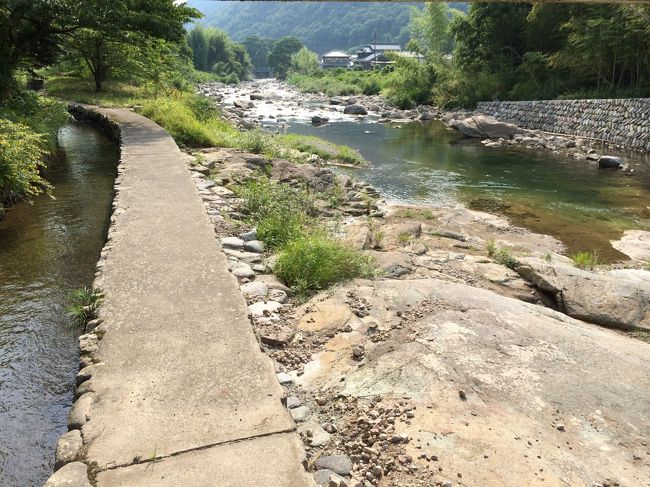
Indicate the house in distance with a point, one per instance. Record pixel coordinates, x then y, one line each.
335 59
366 57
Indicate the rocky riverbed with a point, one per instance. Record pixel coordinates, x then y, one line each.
452 367
270 104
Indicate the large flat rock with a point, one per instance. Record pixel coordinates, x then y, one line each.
546 396
183 370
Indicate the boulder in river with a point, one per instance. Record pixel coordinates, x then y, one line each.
355 110
485 126
318 120
610 162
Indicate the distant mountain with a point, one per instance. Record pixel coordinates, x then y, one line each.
322 26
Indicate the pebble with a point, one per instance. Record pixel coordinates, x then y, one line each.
248 236
300 414
232 243
256 246
284 378
340 464
262 308
243 271
560 427
293 402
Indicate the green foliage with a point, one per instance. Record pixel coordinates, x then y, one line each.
109 34
304 61
321 26
281 56
213 51
404 238
501 255
21 160
28 130
258 50
322 148
410 83
83 305
335 82
315 262
586 260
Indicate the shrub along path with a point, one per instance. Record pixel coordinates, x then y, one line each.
184 395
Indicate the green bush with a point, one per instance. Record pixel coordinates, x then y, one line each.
22 154
585 260
501 255
314 262
281 212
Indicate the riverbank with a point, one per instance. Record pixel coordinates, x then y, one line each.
379 374
29 126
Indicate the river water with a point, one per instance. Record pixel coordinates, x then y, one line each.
575 201
46 249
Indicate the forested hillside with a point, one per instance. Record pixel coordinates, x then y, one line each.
321 26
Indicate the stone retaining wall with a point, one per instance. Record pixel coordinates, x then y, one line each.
622 122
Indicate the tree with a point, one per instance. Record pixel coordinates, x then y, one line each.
213 51
280 57
108 30
31 32
258 50
429 30
304 61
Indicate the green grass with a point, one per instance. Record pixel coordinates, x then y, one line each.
404 238
83 305
281 212
415 213
315 262
338 82
113 94
322 148
586 260
501 255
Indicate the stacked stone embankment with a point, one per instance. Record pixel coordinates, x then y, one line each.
621 122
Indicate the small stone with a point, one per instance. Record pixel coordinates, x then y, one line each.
243 271
80 412
278 295
447 483
284 378
323 476
262 308
68 448
300 414
88 344
462 395
248 236
317 435
559 427
340 464
73 474
256 246
232 243
255 289
293 402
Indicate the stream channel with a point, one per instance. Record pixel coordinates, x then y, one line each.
47 249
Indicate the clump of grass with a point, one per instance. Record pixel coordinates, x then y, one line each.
415 213
376 235
642 335
501 255
280 212
586 260
314 262
646 264
548 257
83 305
322 148
404 238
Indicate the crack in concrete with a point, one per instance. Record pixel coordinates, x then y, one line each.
198 448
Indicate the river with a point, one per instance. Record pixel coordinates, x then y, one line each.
46 249
575 201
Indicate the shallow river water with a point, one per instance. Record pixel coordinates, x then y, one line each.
46 249
575 201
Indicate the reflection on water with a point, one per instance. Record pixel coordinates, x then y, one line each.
554 194
46 249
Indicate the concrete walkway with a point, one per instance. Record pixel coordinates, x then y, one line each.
185 396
